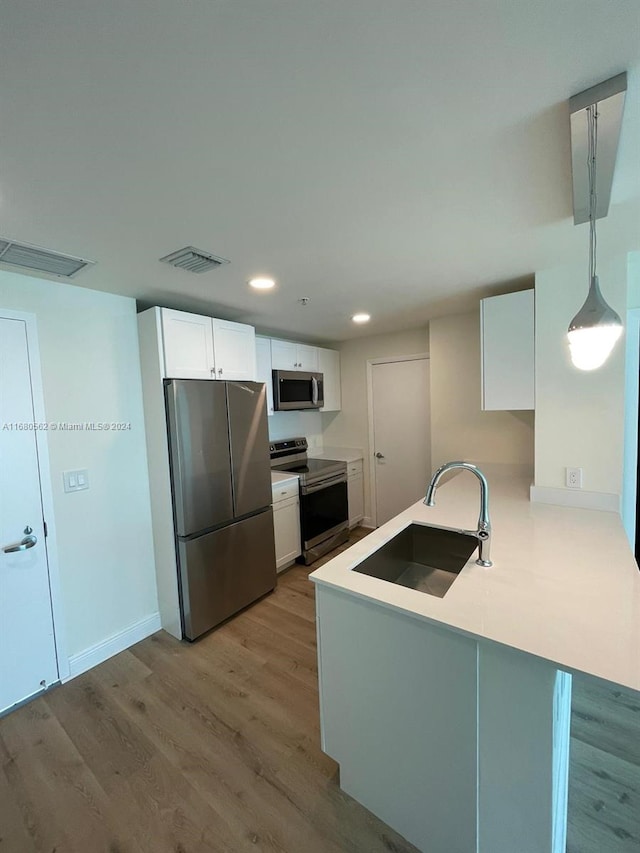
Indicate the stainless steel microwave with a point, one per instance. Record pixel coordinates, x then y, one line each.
297 389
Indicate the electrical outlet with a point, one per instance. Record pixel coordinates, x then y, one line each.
573 478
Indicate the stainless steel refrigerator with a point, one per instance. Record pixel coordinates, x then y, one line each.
221 486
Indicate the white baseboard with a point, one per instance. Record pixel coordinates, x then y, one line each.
576 498
112 645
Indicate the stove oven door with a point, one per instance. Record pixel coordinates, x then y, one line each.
324 510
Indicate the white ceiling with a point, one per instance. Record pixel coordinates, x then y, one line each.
401 158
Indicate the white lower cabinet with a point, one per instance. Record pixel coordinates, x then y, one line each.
286 523
413 762
355 492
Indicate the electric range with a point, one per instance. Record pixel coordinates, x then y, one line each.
324 508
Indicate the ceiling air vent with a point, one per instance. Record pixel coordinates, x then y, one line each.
36 259
193 260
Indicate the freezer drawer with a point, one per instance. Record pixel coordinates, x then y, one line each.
223 571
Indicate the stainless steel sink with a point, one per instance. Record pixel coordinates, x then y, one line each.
427 559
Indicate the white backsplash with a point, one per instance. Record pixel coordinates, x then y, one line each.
291 424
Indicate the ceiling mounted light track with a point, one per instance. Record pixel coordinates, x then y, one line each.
594 330
609 96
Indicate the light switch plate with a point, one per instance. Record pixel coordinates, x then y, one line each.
75 481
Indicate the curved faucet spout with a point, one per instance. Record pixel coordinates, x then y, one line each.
483 533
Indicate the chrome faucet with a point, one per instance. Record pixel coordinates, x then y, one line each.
483 533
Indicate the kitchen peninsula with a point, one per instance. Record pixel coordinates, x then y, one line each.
449 716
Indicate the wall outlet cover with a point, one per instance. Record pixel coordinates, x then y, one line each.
573 478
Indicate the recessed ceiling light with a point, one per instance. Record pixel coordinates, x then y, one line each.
262 283
361 318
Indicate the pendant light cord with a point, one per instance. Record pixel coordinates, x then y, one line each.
592 144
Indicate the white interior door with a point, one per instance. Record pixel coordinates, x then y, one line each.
27 644
401 435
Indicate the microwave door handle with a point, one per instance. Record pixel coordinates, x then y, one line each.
314 390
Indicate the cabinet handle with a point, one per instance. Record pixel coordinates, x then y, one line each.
213 371
219 371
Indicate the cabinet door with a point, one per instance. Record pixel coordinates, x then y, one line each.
413 760
507 331
284 355
307 358
329 366
234 345
263 369
355 496
188 345
286 526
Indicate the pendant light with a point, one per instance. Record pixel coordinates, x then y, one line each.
596 327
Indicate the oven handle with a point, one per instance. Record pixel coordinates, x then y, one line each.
317 487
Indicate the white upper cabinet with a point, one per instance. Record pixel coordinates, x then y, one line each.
263 369
288 355
329 366
507 336
198 347
234 347
307 358
284 355
188 345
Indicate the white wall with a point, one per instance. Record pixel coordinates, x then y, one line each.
459 428
90 370
579 414
350 427
291 424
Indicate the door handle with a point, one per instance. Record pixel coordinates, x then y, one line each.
314 390
379 456
24 545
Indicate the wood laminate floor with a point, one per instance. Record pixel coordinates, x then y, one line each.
604 770
175 748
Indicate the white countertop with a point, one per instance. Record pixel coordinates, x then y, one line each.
283 477
564 585
340 454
